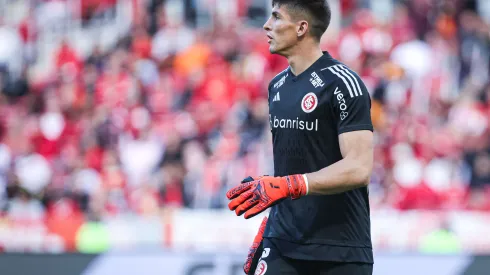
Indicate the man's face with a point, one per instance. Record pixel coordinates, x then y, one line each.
281 30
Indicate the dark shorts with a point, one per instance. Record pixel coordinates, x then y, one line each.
273 263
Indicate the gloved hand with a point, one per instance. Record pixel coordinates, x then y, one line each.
255 250
253 197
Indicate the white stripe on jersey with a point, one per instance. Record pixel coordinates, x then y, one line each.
353 77
353 86
340 70
341 77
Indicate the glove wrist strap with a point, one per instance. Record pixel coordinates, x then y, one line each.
297 186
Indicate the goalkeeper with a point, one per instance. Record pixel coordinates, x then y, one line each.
319 114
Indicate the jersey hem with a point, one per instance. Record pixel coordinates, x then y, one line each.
321 242
322 252
352 128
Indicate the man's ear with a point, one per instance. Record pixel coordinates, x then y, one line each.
302 28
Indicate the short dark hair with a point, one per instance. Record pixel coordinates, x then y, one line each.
318 11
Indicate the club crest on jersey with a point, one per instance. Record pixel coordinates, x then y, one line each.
261 268
309 102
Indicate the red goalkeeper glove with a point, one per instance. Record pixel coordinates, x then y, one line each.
255 250
256 196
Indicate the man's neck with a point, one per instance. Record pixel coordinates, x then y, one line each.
304 58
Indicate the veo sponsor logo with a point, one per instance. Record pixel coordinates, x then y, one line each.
342 104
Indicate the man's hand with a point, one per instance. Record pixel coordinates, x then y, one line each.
255 250
256 196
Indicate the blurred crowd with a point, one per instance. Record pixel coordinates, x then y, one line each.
173 115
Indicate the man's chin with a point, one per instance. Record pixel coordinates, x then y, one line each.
276 50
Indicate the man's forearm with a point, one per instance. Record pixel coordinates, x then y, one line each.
342 176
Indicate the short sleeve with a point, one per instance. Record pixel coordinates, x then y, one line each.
269 93
269 103
351 105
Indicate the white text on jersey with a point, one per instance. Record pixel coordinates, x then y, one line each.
315 80
280 82
293 124
341 101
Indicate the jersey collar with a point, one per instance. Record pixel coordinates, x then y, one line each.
313 66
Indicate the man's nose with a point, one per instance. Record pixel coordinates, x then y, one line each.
267 26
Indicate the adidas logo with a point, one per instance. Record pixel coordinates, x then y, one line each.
276 97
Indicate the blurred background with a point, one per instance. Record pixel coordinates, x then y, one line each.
124 122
